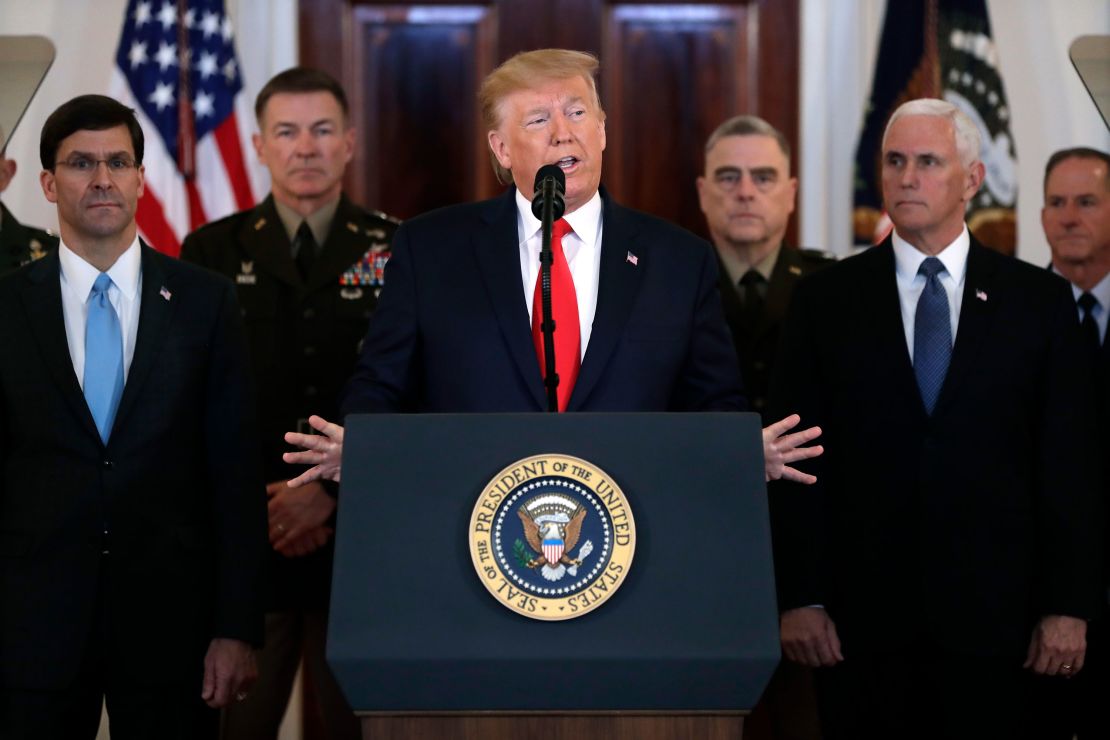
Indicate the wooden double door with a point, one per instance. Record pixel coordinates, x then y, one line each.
670 73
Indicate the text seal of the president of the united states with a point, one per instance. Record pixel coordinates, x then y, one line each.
552 537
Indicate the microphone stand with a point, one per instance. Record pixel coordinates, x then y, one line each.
547 326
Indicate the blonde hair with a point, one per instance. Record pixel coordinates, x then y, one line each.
522 72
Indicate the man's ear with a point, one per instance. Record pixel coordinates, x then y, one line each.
500 148
7 172
49 185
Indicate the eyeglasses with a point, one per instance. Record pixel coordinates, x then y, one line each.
86 166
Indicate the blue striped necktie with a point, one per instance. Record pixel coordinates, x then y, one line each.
103 382
932 334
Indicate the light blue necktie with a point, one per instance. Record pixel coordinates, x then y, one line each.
932 334
103 357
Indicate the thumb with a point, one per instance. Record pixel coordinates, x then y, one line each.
208 687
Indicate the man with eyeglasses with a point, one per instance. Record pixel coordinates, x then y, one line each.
132 517
747 196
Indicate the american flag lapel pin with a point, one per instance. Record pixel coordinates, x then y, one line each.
981 295
165 293
632 259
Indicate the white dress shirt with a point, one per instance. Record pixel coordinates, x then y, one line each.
77 277
1101 292
907 260
581 247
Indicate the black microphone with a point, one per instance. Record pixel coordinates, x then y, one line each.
550 183
548 206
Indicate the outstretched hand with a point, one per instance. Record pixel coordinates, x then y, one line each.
781 449
323 451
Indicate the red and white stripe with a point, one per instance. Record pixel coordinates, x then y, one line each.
171 206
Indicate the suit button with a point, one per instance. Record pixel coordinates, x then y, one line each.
107 464
309 313
309 351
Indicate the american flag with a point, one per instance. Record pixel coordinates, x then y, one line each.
176 66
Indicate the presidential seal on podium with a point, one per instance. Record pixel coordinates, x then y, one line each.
552 537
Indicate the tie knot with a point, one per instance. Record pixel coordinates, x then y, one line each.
752 278
931 267
560 228
1087 302
101 285
304 234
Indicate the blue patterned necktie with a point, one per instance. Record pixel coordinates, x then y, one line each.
932 334
103 384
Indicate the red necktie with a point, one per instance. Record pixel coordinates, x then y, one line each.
564 309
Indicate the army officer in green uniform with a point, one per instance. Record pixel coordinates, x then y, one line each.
19 244
308 266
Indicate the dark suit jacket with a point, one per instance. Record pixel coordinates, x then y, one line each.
757 337
961 529
304 337
174 497
451 333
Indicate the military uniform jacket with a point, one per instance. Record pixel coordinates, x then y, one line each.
757 337
304 336
21 244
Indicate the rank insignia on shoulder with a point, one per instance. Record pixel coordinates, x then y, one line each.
369 270
246 276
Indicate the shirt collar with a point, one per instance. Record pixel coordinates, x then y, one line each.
585 221
1100 290
319 221
908 258
738 268
81 275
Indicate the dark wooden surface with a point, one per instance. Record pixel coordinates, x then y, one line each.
671 71
553 727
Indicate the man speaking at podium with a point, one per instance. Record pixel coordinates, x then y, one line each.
639 325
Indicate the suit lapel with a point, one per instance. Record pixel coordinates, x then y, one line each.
730 299
264 239
43 301
617 285
344 246
883 305
496 249
976 313
156 306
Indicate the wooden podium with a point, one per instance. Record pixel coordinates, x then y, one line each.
540 726
682 650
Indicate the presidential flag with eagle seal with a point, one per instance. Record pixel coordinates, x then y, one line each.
941 49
